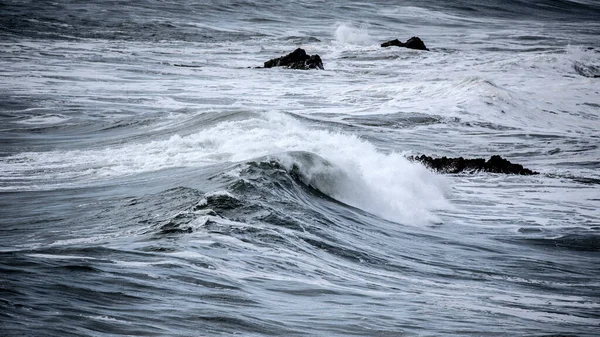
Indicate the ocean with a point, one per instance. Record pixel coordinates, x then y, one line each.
155 182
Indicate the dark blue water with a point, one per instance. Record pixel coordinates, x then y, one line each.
154 183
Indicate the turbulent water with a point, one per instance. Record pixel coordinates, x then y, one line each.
153 182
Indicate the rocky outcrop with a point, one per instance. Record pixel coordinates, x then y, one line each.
298 59
412 43
495 164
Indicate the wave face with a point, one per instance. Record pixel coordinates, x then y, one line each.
153 182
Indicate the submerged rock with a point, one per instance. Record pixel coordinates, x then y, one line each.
298 59
412 43
495 164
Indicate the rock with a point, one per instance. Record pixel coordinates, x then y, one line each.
495 164
395 42
415 43
412 43
298 59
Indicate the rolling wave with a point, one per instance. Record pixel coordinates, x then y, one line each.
341 166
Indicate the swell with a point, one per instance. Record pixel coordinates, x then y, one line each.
160 21
545 10
247 247
168 254
121 20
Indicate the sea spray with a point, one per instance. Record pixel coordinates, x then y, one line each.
349 34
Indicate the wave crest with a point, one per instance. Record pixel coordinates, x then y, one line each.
386 185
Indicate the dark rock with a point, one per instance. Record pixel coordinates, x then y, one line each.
314 62
495 164
298 59
415 43
412 43
395 42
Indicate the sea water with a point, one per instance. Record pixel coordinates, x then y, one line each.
154 182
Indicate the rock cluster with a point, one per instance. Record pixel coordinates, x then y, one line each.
496 164
298 59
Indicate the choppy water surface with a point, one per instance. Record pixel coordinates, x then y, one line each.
153 182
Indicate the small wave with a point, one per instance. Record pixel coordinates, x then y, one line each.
298 39
394 120
470 91
577 242
219 200
47 119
